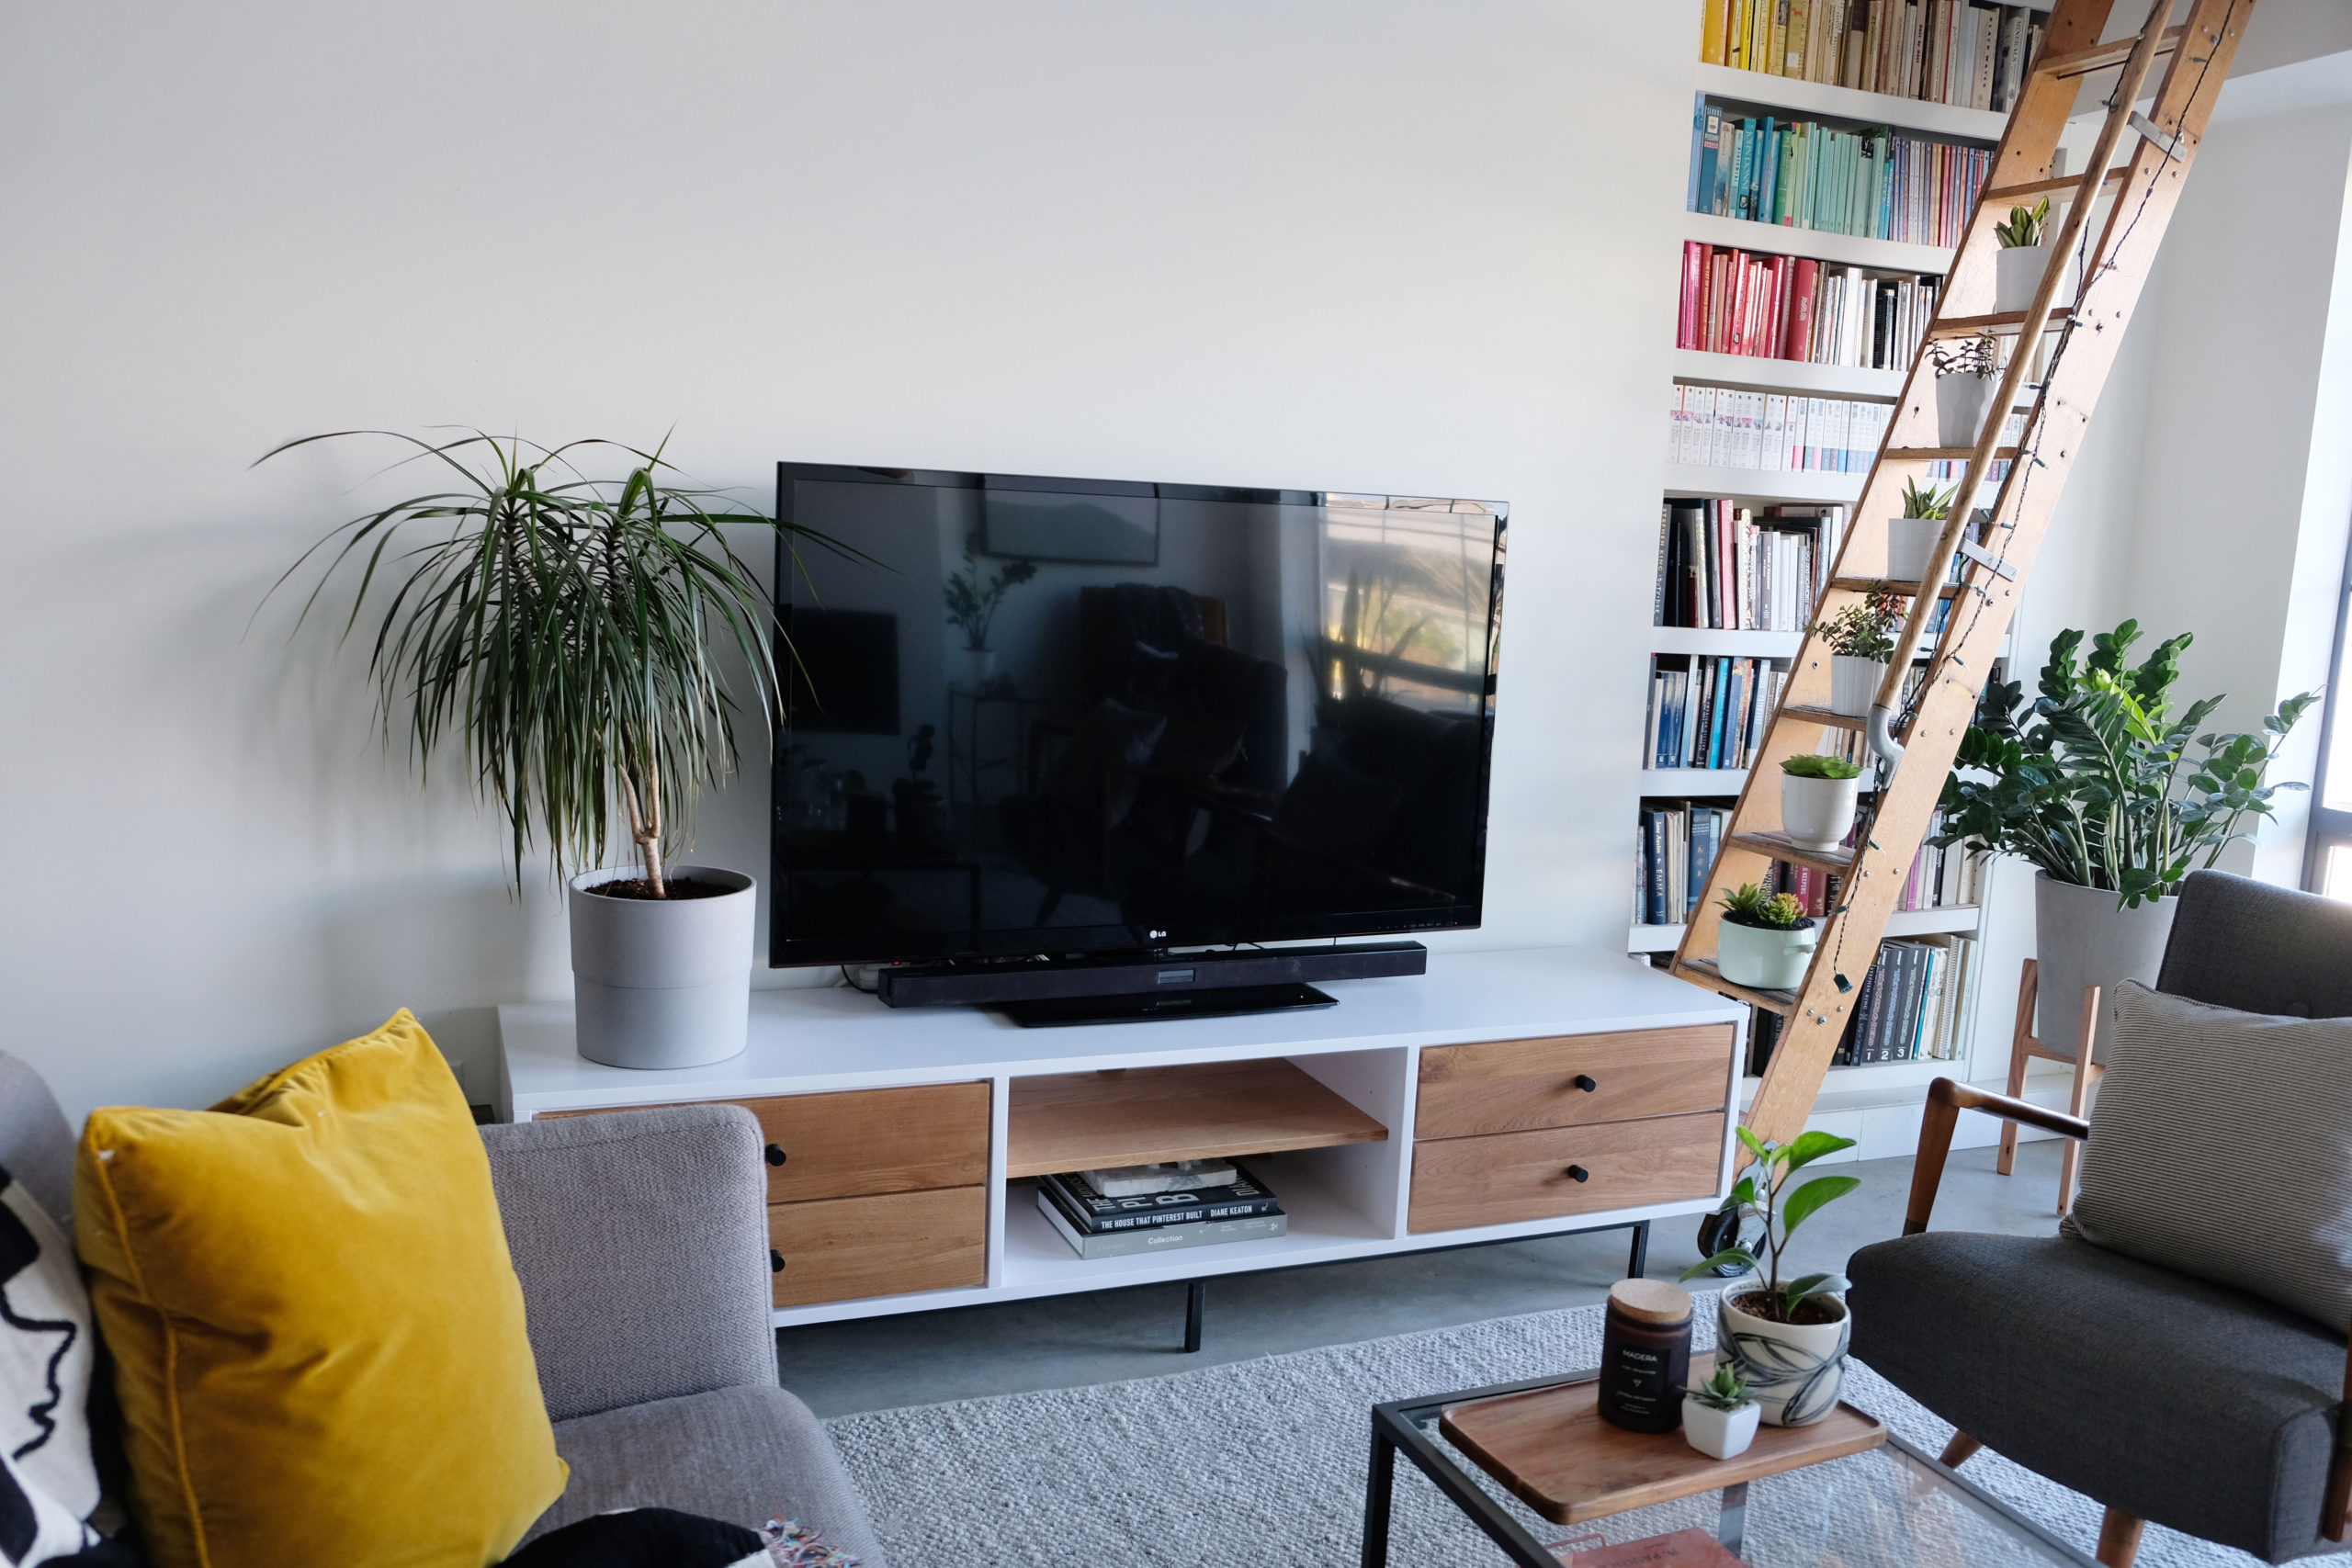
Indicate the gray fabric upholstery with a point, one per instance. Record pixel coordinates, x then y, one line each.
2245 944
641 1241
2240 1175
2189 1404
746 1455
36 1141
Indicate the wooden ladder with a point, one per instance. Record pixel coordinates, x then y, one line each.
1916 746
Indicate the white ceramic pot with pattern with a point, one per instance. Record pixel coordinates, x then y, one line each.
1793 1370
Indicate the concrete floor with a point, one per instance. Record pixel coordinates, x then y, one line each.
1105 1336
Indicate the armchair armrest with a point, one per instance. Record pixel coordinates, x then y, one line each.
641 1238
1946 1099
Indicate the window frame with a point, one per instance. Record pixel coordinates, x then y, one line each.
2331 827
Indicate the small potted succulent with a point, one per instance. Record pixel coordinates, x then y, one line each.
1765 939
1911 538
2023 258
1861 641
1787 1339
972 603
1719 1417
1817 797
1968 377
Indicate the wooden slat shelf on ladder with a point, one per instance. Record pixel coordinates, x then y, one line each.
1916 748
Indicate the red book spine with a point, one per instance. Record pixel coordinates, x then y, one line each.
1779 333
1717 273
1694 266
1806 278
1741 287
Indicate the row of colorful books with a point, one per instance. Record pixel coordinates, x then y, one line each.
1724 566
1917 1004
1800 173
1709 713
1970 53
1676 847
1776 307
1135 1209
1726 427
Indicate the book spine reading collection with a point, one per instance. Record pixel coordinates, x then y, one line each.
1721 565
1914 1005
1968 54
1676 847
1799 173
1777 307
1725 427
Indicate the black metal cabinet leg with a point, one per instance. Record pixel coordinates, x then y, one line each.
1379 1485
1197 1301
1641 1253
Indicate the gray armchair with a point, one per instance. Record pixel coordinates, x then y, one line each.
641 1238
2158 1395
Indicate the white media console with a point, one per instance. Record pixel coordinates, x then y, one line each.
1501 1095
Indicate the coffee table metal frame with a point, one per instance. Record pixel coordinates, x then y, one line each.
1395 1428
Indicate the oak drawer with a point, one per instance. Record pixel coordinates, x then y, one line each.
1509 1085
831 1249
1502 1178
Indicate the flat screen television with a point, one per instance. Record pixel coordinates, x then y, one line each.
1062 718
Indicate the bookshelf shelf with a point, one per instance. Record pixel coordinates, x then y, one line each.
1692 781
1846 103
1845 250
1752 374
1767 485
1717 644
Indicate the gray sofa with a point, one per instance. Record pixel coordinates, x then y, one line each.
641 1241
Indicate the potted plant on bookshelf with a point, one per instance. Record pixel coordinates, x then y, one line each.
1787 1340
1968 378
916 797
972 603
1719 1418
566 631
1818 793
1861 641
1765 939
2023 258
2113 800
1911 538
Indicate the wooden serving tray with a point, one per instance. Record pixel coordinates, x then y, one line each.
1551 1448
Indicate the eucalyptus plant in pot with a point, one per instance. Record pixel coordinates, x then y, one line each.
1787 1339
564 631
1765 939
1911 538
2112 800
1861 641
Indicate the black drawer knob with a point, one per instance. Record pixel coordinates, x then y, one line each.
1579 1173
775 1153
775 1261
1585 1081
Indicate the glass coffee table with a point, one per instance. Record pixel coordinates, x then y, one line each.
1846 1492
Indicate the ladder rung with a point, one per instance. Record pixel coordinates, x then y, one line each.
1942 453
1705 972
1779 846
2031 188
2002 321
2100 56
1796 713
1908 590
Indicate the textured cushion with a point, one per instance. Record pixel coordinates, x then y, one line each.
2198 1406
318 1336
2222 1146
642 1240
2245 944
745 1455
49 1481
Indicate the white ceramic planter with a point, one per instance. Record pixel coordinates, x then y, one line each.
661 984
1765 960
1818 813
1720 1434
1853 684
2016 272
2082 939
1793 1370
1910 541
979 667
1961 403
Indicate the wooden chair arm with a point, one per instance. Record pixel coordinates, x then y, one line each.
1946 1099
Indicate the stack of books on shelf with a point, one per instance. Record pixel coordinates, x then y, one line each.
1724 428
1803 174
1776 307
1722 566
1913 1006
1967 54
1159 1208
1676 847
1709 713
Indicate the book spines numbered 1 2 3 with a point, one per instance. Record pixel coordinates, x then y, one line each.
1096 1216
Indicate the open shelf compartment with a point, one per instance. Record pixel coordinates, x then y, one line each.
1066 1122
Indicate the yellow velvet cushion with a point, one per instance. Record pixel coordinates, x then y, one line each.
316 1332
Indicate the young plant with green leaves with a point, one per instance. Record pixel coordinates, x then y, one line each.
2094 781
1724 1391
1930 503
2025 226
1865 628
564 630
1820 765
973 601
1768 1192
1749 905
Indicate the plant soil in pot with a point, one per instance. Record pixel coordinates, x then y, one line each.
1764 940
1818 796
661 984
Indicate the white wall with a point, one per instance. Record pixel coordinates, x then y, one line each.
1347 243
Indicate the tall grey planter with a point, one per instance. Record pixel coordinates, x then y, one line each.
2082 939
661 984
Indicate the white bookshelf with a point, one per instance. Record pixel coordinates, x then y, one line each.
1821 244
1767 485
1714 643
1820 100
1753 374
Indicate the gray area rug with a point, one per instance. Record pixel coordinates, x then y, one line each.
1264 1461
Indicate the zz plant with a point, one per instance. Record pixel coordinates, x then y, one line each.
1769 1192
2095 781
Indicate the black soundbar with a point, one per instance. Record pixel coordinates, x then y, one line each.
995 982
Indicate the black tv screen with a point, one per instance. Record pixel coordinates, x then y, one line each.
1060 717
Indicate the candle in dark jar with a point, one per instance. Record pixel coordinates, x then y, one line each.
1644 1355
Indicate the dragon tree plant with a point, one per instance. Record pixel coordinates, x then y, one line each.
564 630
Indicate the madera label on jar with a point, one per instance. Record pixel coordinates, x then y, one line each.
1644 1355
